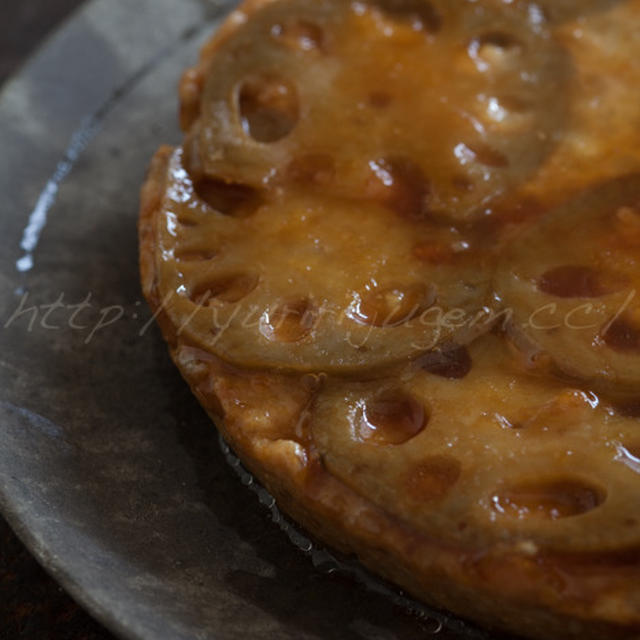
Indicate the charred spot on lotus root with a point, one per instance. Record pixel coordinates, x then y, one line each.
227 198
400 184
432 478
421 15
449 360
548 499
228 288
269 107
392 305
312 169
575 281
299 35
392 417
290 321
623 335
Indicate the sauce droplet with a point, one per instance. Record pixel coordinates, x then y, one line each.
551 499
291 321
392 305
393 417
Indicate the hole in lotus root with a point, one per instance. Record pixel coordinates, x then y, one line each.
299 35
392 418
623 335
290 321
574 281
449 360
269 108
227 198
432 478
629 407
392 305
550 499
400 185
419 14
229 288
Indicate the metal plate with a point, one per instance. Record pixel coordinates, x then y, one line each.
109 470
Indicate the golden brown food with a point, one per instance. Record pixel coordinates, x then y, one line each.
397 260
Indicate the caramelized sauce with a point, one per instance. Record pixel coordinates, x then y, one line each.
623 335
392 418
432 478
574 281
550 499
420 15
290 321
392 305
361 183
299 35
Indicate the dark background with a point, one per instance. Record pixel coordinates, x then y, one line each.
32 605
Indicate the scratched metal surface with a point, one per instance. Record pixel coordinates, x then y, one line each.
109 470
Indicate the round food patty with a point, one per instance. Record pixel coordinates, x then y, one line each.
396 258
